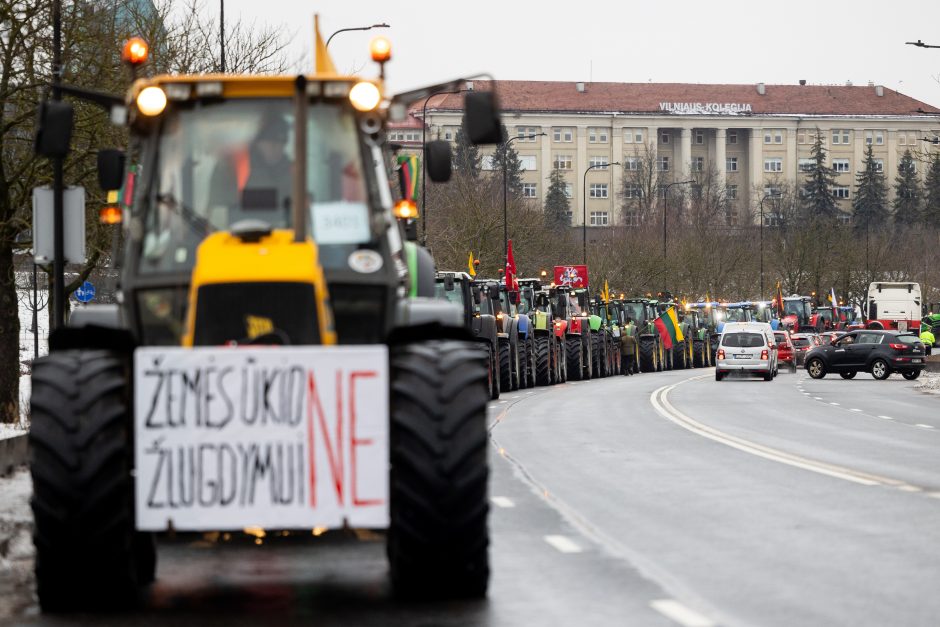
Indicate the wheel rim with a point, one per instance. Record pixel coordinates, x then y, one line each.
815 368
878 369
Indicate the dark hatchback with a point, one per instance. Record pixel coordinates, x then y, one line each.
874 351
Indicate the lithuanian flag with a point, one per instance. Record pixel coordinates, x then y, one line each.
668 326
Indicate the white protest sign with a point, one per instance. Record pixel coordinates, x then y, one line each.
340 222
273 437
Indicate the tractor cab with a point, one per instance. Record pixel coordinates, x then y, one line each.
797 314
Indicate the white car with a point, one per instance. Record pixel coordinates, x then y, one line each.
748 348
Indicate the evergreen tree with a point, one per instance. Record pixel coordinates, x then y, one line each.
931 213
466 156
870 204
818 197
506 156
908 193
557 204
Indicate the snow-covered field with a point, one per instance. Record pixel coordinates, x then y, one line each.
27 338
16 544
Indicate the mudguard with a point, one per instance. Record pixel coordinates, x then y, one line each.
418 311
595 322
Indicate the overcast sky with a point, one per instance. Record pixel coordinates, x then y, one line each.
748 41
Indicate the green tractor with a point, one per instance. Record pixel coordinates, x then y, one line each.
547 336
680 355
609 328
699 334
576 326
642 312
625 338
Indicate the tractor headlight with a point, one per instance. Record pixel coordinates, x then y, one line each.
365 96
151 101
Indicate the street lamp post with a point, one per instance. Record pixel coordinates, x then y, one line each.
584 207
505 191
763 198
666 206
424 170
343 30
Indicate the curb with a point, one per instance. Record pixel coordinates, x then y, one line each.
13 452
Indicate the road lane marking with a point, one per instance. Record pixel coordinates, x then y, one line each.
502 501
854 409
833 403
923 426
818 398
660 401
563 544
680 613
886 417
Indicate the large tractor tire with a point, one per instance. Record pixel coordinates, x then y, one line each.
562 361
597 355
588 358
574 357
543 360
88 554
493 374
648 360
505 365
438 539
698 354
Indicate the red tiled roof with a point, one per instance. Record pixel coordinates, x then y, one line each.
563 97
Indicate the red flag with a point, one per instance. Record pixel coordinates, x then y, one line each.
511 284
573 276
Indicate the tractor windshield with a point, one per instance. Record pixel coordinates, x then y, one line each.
634 311
737 314
455 295
799 308
215 164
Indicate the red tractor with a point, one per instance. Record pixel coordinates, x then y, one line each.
797 314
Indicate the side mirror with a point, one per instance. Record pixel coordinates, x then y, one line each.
477 296
110 169
437 159
54 129
449 282
481 118
514 297
493 291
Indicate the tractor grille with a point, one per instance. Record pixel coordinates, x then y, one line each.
237 312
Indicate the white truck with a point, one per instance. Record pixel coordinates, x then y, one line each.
894 305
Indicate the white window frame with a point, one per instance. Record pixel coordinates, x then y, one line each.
523 133
602 162
731 164
563 134
879 165
698 164
598 135
662 164
805 164
841 165
841 192
631 218
600 218
699 137
632 190
663 137
732 192
527 159
562 162
632 164
773 164
529 190
598 190
732 137
569 190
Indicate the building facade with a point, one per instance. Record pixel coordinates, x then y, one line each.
750 136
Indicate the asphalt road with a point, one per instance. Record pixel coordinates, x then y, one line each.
660 499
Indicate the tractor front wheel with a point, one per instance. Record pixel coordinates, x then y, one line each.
438 539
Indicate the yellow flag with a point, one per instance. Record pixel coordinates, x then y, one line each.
606 293
470 269
322 61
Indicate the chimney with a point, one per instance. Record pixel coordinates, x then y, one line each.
802 82
761 89
879 90
469 85
579 87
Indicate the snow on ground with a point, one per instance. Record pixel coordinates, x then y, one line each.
930 382
27 342
16 544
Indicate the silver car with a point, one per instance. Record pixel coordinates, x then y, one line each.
747 348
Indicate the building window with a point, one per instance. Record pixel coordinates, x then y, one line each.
600 163
528 190
902 139
732 192
570 214
806 165
698 164
840 136
631 163
662 164
664 137
840 165
598 190
633 135
597 135
774 164
879 165
731 164
732 137
600 218
526 133
564 134
527 163
632 190
840 192
773 136
486 162
770 190
405 136
844 219
699 137
631 218
731 215
449 134
569 192
562 162
874 137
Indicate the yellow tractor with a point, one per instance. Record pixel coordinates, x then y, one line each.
269 365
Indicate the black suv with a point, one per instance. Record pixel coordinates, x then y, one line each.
875 351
